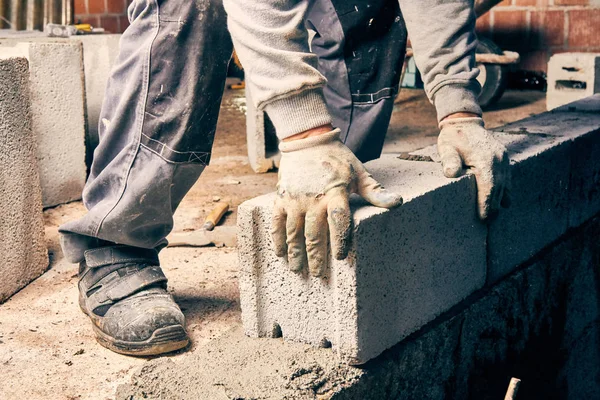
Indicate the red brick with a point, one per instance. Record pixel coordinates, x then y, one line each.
96 6
571 2
110 23
504 3
115 6
525 2
81 7
123 23
483 24
584 28
547 28
510 29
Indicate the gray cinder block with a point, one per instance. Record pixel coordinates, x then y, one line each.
58 115
99 55
571 77
555 182
407 266
24 255
539 211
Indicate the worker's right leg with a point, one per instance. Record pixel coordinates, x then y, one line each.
156 130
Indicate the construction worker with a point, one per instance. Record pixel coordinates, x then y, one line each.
160 113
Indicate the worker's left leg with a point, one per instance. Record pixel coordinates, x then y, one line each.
361 47
157 125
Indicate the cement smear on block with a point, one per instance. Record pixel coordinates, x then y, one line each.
541 324
24 255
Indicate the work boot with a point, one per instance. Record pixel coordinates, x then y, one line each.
123 291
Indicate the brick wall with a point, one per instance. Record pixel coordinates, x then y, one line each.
108 14
539 28
535 28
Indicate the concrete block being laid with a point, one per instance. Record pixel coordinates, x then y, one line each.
571 77
431 257
24 254
58 115
409 265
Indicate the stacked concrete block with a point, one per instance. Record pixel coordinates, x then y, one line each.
24 255
263 153
571 77
99 55
58 115
431 257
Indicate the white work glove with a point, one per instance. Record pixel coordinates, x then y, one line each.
465 142
316 177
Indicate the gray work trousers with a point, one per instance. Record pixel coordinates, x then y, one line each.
162 102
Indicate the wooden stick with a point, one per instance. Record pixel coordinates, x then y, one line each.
513 388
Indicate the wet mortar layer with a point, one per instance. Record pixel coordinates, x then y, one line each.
541 324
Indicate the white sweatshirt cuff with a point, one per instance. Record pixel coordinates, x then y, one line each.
456 98
298 112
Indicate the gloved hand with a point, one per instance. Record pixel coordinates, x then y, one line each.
316 176
465 142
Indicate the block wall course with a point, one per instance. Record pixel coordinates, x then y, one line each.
434 252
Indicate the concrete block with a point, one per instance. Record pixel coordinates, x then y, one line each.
263 153
589 104
555 182
58 115
585 165
407 266
99 55
578 122
571 77
539 213
24 255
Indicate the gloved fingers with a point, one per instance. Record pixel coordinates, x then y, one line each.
452 163
500 180
278 231
373 192
295 241
315 232
340 223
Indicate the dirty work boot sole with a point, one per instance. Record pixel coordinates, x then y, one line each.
123 292
163 340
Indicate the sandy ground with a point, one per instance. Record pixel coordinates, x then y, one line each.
47 349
